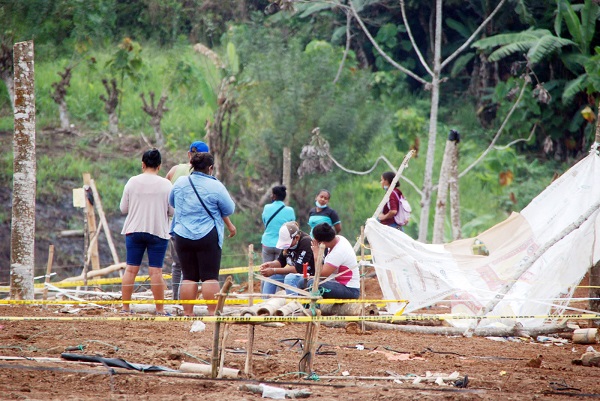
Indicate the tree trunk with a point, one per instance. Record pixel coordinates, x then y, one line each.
111 101
433 118
59 94
113 123
63 115
454 196
24 170
448 180
156 111
442 196
287 171
10 88
6 71
594 293
221 141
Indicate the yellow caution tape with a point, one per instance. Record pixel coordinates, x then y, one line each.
177 302
297 319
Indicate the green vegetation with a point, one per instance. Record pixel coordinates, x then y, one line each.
280 75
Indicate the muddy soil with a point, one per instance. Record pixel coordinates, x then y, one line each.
349 364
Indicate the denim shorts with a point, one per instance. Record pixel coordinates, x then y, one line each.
138 243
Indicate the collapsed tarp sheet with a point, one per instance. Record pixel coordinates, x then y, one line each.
115 362
426 274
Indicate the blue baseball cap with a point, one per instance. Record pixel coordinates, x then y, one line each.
199 146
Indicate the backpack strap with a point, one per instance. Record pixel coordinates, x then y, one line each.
201 201
273 215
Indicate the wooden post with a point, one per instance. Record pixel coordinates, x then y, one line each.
22 239
362 276
440 209
287 172
222 351
312 328
103 221
91 222
251 327
48 271
216 340
594 292
454 195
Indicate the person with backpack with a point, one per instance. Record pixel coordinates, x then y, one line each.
396 212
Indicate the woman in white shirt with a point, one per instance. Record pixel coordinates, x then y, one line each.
146 202
339 264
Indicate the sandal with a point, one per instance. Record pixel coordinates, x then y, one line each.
127 312
162 314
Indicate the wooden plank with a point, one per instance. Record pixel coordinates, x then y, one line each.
98 205
91 222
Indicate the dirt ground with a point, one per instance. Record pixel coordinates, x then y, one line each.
360 363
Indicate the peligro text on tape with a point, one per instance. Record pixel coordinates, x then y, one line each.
297 319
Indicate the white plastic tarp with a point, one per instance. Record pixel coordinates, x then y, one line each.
425 274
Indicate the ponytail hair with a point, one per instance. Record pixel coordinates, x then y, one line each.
151 158
201 161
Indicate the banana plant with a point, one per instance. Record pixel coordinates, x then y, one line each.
541 44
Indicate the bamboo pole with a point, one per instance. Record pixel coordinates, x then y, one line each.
594 273
48 271
251 328
312 328
362 276
216 338
222 356
379 208
403 165
103 221
88 255
102 272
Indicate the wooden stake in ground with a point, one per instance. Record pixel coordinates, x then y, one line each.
48 271
251 327
98 205
312 328
216 338
22 236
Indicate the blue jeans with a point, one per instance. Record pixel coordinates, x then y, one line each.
269 254
269 288
397 226
138 243
295 280
333 289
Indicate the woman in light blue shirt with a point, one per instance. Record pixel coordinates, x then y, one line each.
201 203
274 215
